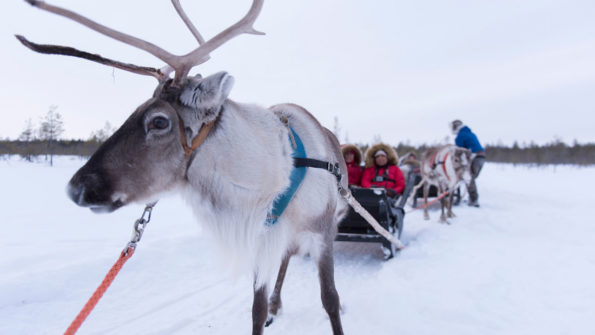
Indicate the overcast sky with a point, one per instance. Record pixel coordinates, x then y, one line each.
394 70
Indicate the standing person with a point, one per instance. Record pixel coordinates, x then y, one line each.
353 159
382 170
466 138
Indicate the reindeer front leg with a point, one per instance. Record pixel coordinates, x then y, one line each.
449 213
275 300
426 192
442 204
259 308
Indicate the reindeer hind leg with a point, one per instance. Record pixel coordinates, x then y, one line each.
328 291
450 213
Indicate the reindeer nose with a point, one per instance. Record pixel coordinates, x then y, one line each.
75 192
86 189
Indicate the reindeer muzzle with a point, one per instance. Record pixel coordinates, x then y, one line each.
90 190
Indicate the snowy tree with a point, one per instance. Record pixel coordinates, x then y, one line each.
52 126
27 135
102 134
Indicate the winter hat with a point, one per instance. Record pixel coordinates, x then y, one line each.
345 148
379 152
391 155
455 126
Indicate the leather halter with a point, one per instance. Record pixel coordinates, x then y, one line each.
197 140
170 94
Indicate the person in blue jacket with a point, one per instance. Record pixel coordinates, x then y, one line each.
466 138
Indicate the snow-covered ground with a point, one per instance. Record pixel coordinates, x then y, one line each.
523 263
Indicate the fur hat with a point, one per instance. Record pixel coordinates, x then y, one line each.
411 159
391 155
345 148
455 126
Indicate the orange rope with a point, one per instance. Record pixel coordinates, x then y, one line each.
109 278
430 202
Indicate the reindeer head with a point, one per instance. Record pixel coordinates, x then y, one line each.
150 153
462 164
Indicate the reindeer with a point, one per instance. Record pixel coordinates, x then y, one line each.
444 167
174 142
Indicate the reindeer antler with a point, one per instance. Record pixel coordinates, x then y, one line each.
68 51
181 64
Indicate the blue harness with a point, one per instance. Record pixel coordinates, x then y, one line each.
298 173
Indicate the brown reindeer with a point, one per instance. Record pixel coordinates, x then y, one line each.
174 141
444 167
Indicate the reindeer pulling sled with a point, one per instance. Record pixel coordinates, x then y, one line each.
439 175
390 216
389 213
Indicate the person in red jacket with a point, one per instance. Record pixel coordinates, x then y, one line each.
353 159
382 170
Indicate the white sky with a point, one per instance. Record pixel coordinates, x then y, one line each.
398 70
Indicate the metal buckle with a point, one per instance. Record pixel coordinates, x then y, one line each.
139 227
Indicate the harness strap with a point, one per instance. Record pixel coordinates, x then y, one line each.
298 173
444 166
443 163
315 163
384 176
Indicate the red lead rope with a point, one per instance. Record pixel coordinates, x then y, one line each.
139 228
430 202
107 281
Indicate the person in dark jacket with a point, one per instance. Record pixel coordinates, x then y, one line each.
467 139
353 159
382 170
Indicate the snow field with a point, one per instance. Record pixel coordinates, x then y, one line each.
523 263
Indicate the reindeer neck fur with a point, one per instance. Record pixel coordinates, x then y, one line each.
230 194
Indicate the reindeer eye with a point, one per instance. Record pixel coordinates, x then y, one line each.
159 122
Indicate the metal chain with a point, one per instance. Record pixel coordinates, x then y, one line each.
139 227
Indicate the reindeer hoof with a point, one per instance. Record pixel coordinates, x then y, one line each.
269 321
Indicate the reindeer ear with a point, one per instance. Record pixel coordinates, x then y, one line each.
207 94
201 99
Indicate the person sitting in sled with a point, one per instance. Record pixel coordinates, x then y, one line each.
353 158
381 170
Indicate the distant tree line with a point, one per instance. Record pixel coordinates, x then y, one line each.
556 152
552 153
28 150
44 141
